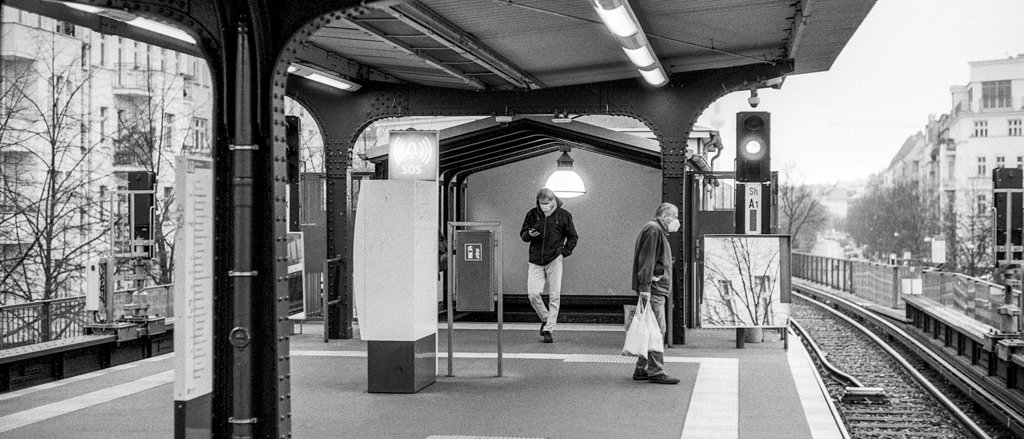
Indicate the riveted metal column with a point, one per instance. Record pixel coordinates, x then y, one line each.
243 273
673 185
338 238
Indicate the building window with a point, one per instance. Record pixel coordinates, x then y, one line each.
168 124
1000 161
103 123
65 28
982 205
1016 129
103 50
200 135
1020 161
981 167
995 94
980 128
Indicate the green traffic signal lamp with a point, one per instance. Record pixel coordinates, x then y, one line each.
753 146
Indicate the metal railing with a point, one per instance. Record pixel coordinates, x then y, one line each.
882 284
877 283
47 320
41 321
973 297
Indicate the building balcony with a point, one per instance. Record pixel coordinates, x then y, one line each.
132 82
130 159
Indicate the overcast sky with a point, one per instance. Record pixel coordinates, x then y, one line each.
848 122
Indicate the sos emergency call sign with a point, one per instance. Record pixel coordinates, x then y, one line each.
412 155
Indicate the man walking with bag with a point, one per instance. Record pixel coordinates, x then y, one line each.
652 281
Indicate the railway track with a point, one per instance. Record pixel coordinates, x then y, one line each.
921 403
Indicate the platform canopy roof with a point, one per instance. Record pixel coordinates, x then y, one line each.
525 44
531 44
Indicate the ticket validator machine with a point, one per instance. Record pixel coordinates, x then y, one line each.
474 275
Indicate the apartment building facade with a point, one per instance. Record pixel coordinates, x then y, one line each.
79 110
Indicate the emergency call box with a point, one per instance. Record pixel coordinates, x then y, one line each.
474 270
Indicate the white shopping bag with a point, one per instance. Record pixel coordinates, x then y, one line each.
637 337
655 340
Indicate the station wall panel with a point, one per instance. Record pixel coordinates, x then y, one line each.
620 198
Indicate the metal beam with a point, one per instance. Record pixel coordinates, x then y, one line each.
326 59
104 25
473 82
422 18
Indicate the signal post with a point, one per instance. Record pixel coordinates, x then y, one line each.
753 180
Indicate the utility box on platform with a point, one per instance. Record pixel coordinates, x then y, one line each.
394 278
474 270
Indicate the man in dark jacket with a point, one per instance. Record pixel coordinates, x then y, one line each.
652 280
552 236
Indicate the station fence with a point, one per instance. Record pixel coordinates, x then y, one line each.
970 296
47 320
881 284
885 285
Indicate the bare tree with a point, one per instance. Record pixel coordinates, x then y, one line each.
47 174
970 221
147 138
801 213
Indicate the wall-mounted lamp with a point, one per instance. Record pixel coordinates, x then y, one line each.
322 76
618 16
134 20
565 182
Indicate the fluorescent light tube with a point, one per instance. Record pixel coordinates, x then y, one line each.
162 29
654 77
618 20
640 57
329 81
86 8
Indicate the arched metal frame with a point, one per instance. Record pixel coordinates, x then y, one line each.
270 35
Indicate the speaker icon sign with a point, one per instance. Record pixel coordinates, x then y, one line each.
412 155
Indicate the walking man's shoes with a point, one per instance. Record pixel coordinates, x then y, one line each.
640 375
547 337
542 327
661 379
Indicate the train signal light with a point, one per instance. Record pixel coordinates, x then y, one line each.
1008 191
753 146
291 140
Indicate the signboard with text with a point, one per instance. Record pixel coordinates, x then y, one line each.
412 155
193 279
752 209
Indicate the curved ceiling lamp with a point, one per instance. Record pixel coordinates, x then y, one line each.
618 16
565 182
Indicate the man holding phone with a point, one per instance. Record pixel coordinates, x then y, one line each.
552 236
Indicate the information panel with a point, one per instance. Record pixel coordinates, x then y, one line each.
193 279
746 281
412 155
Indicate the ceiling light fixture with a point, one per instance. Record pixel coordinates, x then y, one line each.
323 76
565 182
134 20
618 16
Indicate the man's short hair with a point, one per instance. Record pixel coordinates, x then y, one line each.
545 194
666 208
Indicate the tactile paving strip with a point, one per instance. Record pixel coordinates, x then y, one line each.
593 358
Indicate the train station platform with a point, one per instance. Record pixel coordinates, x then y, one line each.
577 387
